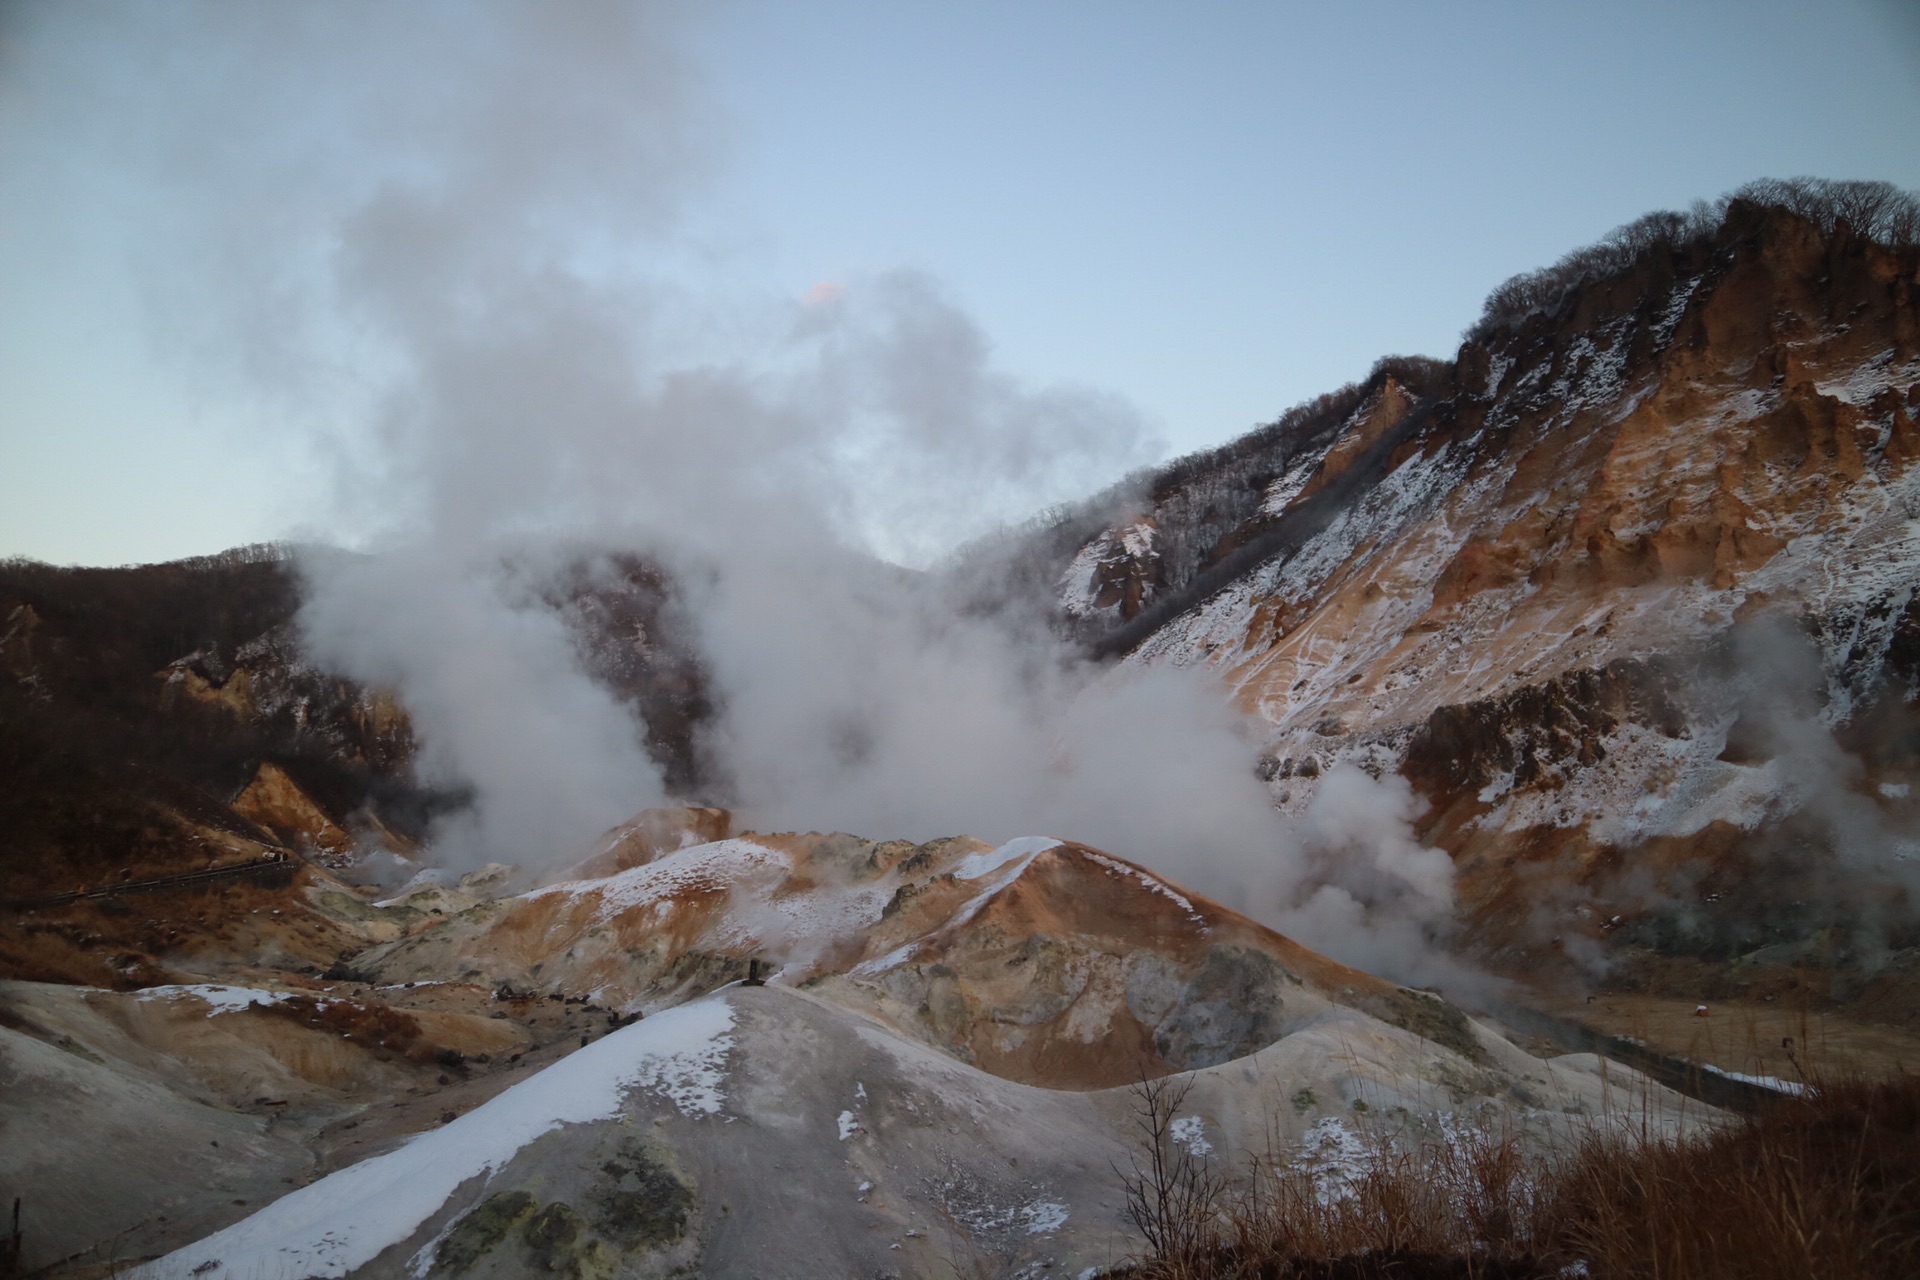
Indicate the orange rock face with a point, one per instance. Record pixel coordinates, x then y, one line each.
277 802
1634 475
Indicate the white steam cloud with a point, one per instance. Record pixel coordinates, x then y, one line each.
1367 887
448 234
480 660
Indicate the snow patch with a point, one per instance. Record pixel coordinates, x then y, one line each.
342 1222
1652 785
1005 863
1136 540
1127 542
883 964
1190 1132
1595 374
219 999
1217 630
1017 854
1281 493
1076 584
976 866
1333 1155
1497 366
1793 1088
714 867
1669 320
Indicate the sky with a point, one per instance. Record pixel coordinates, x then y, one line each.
1188 217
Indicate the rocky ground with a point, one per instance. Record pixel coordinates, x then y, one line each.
936 1070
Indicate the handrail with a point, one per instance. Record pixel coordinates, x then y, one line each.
283 862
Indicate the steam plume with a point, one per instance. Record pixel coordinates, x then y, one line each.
447 244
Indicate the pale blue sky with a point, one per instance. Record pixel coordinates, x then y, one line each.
1212 210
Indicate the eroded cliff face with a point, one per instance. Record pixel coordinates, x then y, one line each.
1548 586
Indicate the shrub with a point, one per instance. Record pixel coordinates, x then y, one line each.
1825 1186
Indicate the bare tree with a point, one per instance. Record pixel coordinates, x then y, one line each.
1173 1198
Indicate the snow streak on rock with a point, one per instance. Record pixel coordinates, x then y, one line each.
1157 885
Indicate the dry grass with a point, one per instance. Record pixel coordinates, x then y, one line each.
371 1026
1826 1187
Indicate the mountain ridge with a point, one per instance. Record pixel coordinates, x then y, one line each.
1620 478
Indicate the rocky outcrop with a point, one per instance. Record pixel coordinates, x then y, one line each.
1538 730
275 801
1115 574
634 637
